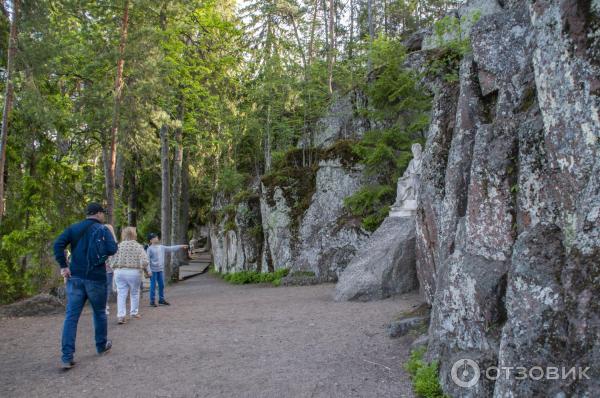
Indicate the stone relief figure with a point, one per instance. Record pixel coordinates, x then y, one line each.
408 184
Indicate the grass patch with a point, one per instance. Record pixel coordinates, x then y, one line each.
424 376
248 277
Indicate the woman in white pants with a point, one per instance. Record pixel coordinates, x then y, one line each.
128 264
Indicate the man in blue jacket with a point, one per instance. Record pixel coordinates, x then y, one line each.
82 281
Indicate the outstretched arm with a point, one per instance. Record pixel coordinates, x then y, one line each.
171 249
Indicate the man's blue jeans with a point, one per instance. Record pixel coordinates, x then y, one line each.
78 292
157 277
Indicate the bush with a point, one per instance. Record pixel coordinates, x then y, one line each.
424 376
371 204
426 382
231 181
26 265
247 277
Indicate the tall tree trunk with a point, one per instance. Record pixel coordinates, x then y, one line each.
299 42
331 52
165 202
371 32
120 171
351 42
326 24
8 99
185 199
114 130
313 25
132 200
385 17
176 199
268 141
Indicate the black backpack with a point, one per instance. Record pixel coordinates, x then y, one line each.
96 253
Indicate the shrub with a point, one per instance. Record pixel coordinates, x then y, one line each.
247 277
231 181
371 204
426 382
424 376
415 361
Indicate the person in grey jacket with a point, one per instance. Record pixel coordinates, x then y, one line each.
156 256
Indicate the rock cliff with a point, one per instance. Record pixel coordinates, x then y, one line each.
508 220
236 235
298 220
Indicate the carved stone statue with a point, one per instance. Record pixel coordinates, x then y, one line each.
408 184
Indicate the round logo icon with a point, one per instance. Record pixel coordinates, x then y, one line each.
465 373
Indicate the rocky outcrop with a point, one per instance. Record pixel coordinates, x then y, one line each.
342 121
405 326
295 217
466 16
279 242
385 266
508 220
327 241
236 235
317 238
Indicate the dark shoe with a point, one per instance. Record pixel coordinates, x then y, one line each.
68 365
106 348
163 302
153 305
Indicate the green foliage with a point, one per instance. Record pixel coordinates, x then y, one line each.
25 268
424 376
402 106
230 181
244 85
247 277
371 204
426 382
453 44
415 361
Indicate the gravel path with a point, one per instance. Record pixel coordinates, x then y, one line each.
218 340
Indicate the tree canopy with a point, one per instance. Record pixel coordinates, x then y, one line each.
231 86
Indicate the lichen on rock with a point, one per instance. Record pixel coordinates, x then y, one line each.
508 221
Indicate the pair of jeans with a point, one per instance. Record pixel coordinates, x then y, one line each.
78 292
157 277
128 280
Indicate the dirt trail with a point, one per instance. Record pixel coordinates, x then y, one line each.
218 340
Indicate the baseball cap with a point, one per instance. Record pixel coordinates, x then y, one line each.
94 208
